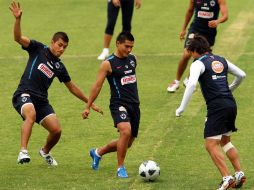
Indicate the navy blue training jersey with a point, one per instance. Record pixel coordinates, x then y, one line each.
205 11
122 80
214 82
42 67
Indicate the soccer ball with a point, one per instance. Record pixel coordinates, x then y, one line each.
149 170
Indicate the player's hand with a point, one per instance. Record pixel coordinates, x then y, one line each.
213 23
16 9
182 34
96 108
138 4
116 3
85 113
179 112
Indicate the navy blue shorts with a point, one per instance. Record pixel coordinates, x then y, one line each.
220 122
126 113
191 33
42 107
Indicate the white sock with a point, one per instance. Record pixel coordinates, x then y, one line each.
96 152
24 150
105 50
177 81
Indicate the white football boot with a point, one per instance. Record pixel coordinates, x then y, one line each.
48 158
227 183
23 157
239 179
173 86
104 54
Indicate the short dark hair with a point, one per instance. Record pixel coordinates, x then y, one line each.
125 36
60 35
198 44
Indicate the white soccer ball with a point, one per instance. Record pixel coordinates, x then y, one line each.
149 170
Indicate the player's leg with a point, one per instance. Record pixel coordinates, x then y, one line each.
122 146
24 105
112 13
52 125
212 145
182 64
233 156
127 12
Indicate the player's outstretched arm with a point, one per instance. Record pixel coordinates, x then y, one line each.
105 68
75 90
17 13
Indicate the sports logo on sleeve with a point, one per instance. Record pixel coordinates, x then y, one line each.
43 68
217 66
128 79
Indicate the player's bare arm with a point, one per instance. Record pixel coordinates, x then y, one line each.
104 70
223 17
116 3
17 13
188 16
138 4
75 90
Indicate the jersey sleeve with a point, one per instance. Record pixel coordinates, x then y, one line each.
34 46
63 75
238 73
196 69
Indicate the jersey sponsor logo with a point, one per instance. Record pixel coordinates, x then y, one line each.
217 66
128 79
43 68
215 77
205 14
128 72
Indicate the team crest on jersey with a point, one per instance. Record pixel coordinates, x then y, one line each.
217 66
57 64
43 68
128 79
212 3
126 66
132 63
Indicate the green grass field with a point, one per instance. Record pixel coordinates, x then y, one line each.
175 143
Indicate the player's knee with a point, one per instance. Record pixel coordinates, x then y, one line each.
30 117
227 147
57 131
110 28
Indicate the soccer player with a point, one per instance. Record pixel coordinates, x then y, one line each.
127 7
205 22
211 71
31 97
120 71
